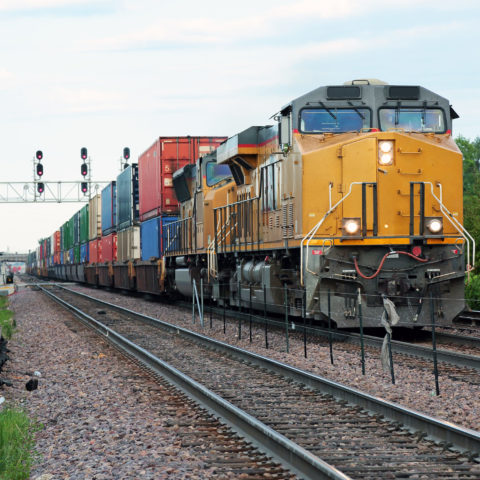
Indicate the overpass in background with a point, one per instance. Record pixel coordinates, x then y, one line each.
13 257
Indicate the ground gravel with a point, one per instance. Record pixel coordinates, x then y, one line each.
103 418
459 402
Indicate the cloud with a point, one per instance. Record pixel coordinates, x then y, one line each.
36 4
84 100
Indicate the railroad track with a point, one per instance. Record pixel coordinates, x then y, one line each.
292 415
455 364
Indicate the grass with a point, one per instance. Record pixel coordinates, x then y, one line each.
7 323
17 444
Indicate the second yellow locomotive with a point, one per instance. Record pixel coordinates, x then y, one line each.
355 194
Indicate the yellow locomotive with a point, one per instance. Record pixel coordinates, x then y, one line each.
355 194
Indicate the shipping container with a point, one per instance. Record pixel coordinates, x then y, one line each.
76 228
71 256
156 166
127 197
84 224
95 250
109 208
84 253
67 238
109 248
95 217
128 244
154 237
76 254
56 245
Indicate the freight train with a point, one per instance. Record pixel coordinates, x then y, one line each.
353 197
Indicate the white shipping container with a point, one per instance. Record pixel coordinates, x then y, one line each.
95 217
128 244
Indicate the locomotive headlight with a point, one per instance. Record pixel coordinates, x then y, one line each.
350 226
434 224
385 152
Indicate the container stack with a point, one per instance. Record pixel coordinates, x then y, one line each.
109 223
158 203
127 206
95 229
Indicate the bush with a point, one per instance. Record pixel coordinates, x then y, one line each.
472 292
17 444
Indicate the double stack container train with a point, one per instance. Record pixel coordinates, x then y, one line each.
117 239
350 198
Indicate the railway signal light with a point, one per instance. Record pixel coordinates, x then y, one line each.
126 153
84 153
84 187
39 169
40 188
84 169
39 154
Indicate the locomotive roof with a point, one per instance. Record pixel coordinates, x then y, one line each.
372 94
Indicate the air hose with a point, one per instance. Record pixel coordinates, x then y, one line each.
357 268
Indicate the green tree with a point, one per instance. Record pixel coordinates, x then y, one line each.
471 187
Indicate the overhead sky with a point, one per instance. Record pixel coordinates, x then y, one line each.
106 74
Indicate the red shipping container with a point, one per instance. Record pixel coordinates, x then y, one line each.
56 246
95 251
156 167
109 248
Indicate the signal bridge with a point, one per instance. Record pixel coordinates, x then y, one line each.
53 192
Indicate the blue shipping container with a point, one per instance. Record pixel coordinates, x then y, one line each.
109 216
154 237
61 258
128 203
70 256
84 253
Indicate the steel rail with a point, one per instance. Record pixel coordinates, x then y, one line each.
462 439
292 456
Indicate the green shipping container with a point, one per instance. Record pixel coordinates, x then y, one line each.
68 235
76 254
84 224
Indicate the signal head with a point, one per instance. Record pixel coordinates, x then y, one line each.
39 169
84 169
84 187
126 153
39 154
84 153
40 188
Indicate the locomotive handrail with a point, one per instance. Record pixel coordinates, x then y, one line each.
456 224
314 230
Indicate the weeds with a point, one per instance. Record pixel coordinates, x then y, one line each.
7 323
17 444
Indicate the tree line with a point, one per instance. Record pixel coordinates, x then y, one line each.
471 209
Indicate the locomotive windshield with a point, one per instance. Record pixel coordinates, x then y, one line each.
336 120
416 119
216 173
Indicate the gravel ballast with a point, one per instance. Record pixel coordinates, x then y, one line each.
459 402
103 417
